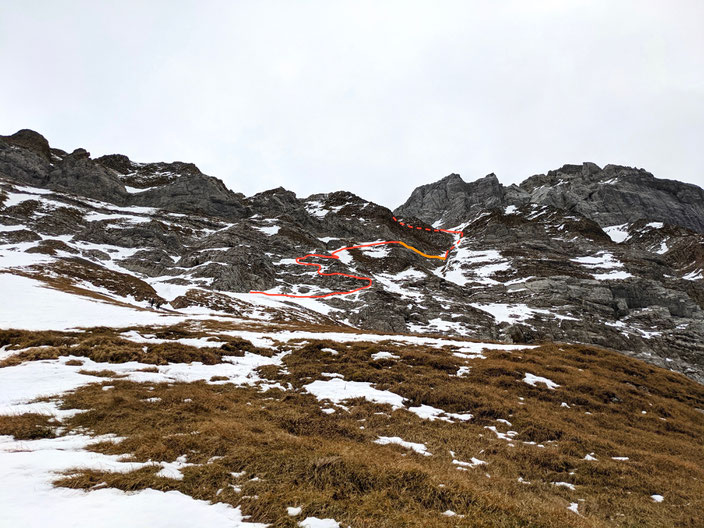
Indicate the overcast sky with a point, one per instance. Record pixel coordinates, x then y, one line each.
372 97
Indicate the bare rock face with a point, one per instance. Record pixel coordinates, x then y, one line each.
611 196
27 158
618 195
142 176
451 199
612 256
30 140
180 187
194 194
76 173
177 186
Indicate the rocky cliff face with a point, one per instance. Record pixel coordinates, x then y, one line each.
180 187
610 196
26 157
609 256
451 200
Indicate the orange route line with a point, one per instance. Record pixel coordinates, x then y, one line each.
333 255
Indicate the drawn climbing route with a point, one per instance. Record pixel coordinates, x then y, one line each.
334 255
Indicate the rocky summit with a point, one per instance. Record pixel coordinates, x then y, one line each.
607 256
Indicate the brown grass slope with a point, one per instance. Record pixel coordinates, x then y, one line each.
266 450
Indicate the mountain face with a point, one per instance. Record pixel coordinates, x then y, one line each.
610 196
611 257
26 157
451 200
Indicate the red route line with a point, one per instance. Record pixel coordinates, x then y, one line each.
333 255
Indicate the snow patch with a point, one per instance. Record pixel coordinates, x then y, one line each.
564 485
338 390
617 233
515 313
604 261
314 522
31 466
316 209
466 265
474 463
694 275
384 355
268 230
532 379
418 448
172 470
37 307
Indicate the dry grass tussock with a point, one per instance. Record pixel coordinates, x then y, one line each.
29 426
266 450
108 345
